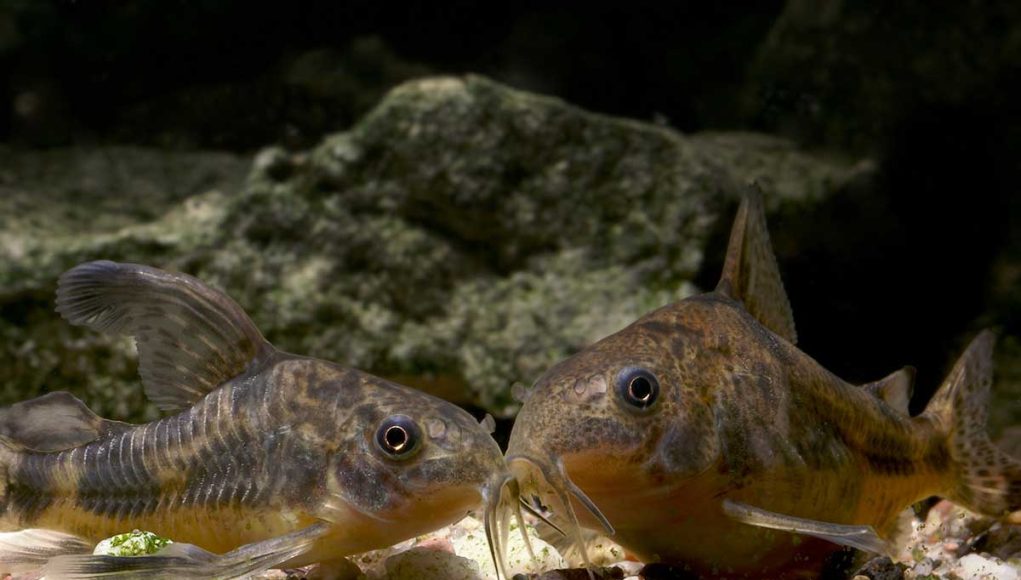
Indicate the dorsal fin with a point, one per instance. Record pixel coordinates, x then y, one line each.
191 338
53 422
750 273
895 388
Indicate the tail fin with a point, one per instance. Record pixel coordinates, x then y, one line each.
987 480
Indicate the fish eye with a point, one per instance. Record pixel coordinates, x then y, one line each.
398 436
638 388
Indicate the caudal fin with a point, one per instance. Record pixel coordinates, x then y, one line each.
986 479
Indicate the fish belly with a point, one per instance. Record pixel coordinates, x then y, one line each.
217 529
687 524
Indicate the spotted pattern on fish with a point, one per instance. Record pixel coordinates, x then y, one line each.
259 446
248 450
741 415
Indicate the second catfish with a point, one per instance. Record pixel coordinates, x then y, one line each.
701 435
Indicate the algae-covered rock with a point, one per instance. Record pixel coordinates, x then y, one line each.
63 206
461 237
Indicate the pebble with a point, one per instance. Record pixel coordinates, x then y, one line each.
428 564
953 543
981 567
881 568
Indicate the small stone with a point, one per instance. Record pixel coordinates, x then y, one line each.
882 568
629 567
438 544
425 564
980 567
923 568
339 569
603 552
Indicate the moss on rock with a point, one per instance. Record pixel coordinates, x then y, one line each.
462 237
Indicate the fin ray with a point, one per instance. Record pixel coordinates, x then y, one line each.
860 537
191 338
188 561
750 272
988 480
30 549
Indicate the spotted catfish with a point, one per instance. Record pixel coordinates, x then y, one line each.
267 458
701 435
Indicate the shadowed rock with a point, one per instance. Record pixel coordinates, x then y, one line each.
461 237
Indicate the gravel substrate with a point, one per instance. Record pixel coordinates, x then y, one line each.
949 543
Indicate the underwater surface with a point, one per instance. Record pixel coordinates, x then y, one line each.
456 197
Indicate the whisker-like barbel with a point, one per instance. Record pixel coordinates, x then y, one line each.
555 481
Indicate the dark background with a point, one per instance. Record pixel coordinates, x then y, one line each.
900 274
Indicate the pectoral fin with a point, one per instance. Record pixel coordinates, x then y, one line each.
188 561
861 537
53 422
191 338
27 550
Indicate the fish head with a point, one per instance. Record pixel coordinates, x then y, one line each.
631 414
412 463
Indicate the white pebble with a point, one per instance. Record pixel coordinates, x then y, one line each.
978 567
923 568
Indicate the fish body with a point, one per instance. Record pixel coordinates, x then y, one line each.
656 432
286 443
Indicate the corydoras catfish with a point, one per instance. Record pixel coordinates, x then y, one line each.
267 459
701 435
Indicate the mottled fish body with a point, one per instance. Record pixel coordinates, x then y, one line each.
314 460
702 435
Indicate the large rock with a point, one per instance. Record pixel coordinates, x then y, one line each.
64 206
461 237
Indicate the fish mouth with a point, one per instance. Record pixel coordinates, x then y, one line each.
555 477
